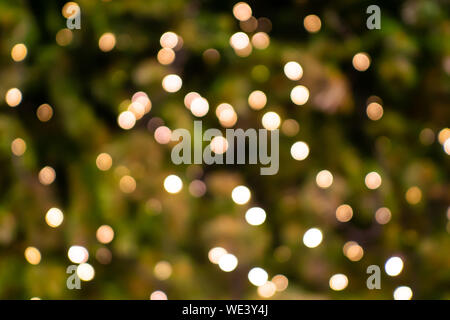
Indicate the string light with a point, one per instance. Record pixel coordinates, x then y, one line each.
162 270
64 37
267 290
127 184
299 150
324 179
107 42
169 40
242 11
258 276
172 83
257 100
394 266
353 251
197 188
104 161
241 195
13 97
32 255
228 262
239 41
293 70
85 272
299 95
383 215
373 180
47 175
290 127
78 254
338 282
105 234
215 254
443 135
158 295
19 52
44 113
403 293
255 216
413 195
271 120
281 282
199 107
312 23
54 217
173 184
165 56
260 40
374 111
219 145
361 61
344 213
18 147
163 135
189 98
312 238
126 120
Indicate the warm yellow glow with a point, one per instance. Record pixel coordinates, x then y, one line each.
19 52
163 135
162 270
242 11
312 238
158 295
383 215
197 188
374 111
85 272
127 184
447 146
70 9
166 56
338 282
126 120
426 136
137 108
32 255
173 184
226 115
324 179
228 262
361 61
299 150
300 95
443 135
103 255
403 293
344 213
312 23
199 107
373 180
78 254
169 40
255 216
393 266
189 98
172 83
104 161
47 175
260 40
142 98
258 276
219 145
215 254
44 113
107 42
18 147
293 70
353 251
64 37
267 290
241 195
281 282
105 234
271 120
245 52
290 127
257 100
239 41
413 195
13 97
54 217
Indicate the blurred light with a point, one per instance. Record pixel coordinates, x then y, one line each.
394 266
281 282
66 12
241 195
18 147
219 145
54 217
19 52
443 135
312 23
338 282
257 100
104 161
403 293
105 234
300 95
344 213
163 135
267 290
13 97
32 255
85 272
158 295
361 61
137 108
103 255
64 37
199 107
239 41
447 146
258 276
78 254
172 83
242 11
255 216
47 175
127 184
383 215
228 262
173 184
290 127
374 111
427 136
215 254
197 188
353 251
264 24
324 179
271 120
126 120
44 112
189 98
211 56
293 70
107 42
413 195
226 115
166 56
260 40
162 270
249 25
312 238
299 150
142 98
169 40
35 298
373 180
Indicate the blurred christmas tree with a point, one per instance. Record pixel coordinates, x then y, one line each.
86 173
